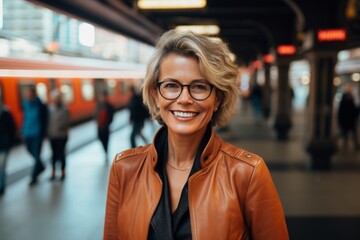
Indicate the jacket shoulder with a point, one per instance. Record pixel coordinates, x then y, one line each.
241 154
132 152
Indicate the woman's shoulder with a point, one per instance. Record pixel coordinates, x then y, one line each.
132 154
240 155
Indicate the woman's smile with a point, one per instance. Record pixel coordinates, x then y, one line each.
185 115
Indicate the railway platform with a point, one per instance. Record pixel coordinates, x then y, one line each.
317 204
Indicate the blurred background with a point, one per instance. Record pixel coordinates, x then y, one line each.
299 76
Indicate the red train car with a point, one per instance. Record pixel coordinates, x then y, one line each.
80 84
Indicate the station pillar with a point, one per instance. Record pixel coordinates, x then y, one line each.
320 143
283 121
266 100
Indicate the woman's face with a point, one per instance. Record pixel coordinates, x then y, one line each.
184 115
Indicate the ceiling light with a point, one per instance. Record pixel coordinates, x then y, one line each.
170 4
200 29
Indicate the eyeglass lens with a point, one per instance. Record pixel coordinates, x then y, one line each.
197 90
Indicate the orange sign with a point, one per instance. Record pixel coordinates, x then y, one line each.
331 35
286 49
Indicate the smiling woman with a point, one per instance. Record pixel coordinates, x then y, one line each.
189 183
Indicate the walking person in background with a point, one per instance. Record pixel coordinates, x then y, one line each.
104 115
59 121
7 137
34 129
256 100
189 183
347 117
138 115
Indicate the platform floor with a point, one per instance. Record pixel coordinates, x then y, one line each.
317 204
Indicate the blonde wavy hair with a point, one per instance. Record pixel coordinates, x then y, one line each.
215 65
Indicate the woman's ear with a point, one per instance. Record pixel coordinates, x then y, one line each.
154 94
218 101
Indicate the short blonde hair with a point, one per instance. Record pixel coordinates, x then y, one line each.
215 65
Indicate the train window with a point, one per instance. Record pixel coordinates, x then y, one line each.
52 84
42 91
67 91
24 84
124 87
87 90
111 85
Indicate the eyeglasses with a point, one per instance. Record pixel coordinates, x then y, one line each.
198 90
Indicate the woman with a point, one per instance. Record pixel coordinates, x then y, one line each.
189 184
58 131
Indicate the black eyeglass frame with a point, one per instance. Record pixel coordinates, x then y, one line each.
158 84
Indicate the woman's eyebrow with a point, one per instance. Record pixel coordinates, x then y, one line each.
199 80
170 80
175 80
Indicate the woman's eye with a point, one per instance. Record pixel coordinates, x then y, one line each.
199 86
171 85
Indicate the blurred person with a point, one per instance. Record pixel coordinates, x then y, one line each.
35 120
347 116
59 122
104 116
256 101
138 115
189 183
7 137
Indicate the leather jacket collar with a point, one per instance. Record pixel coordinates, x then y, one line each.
207 156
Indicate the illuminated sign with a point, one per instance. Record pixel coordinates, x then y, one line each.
256 64
331 35
269 58
286 49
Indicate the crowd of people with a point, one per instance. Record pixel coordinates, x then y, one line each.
52 122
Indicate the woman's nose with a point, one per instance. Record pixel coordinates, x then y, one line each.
185 96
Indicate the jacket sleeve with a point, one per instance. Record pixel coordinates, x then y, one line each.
263 210
112 203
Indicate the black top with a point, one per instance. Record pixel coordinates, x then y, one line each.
7 129
104 115
138 111
165 225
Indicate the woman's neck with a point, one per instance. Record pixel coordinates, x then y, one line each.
182 149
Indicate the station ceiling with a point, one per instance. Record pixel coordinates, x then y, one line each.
252 28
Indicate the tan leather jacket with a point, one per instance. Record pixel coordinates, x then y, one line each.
231 197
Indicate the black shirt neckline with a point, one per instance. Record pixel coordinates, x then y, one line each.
164 224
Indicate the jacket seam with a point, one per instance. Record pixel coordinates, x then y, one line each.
247 189
125 154
240 158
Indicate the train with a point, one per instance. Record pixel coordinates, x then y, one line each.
79 80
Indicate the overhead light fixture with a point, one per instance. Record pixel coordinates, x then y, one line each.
170 4
200 29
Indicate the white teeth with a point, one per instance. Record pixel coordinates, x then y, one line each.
184 114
